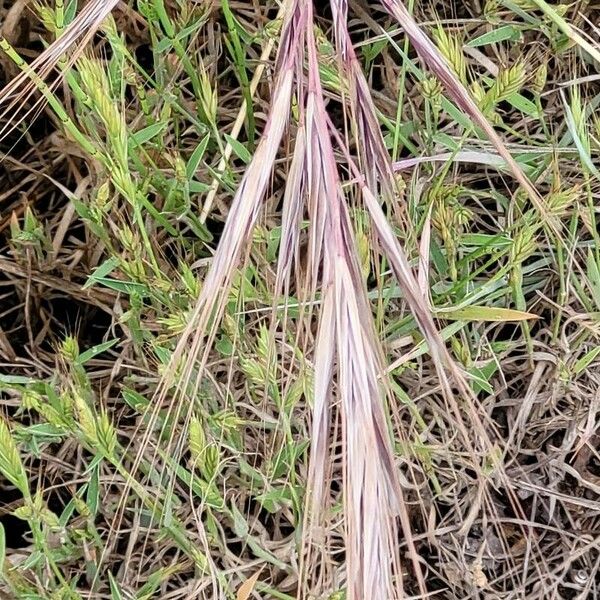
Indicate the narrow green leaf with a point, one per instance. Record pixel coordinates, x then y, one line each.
2 550
586 360
526 106
16 380
115 588
95 350
70 12
127 287
196 157
135 400
486 240
581 145
101 271
166 44
197 187
93 491
240 150
145 135
502 34
485 313
593 273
